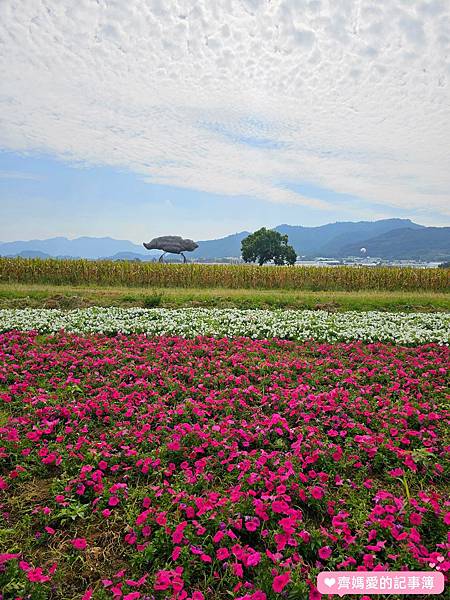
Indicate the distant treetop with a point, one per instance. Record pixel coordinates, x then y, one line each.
265 245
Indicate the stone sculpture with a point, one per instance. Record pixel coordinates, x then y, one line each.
172 244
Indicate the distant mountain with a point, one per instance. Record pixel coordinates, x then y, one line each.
387 238
86 247
221 248
427 243
33 254
327 240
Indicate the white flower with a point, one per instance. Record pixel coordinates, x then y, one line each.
402 328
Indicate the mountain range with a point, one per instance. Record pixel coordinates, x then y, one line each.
389 239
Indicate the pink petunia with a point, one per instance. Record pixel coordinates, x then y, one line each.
280 582
253 559
79 543
37 576
325 552
280 506
177 535
397 472
119 574
206 558
137 583
222 553
415 519
252 524
6 557
305 536
219 535
316 492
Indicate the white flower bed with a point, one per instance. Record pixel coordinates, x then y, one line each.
400 328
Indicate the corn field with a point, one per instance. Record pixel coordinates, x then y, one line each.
155 275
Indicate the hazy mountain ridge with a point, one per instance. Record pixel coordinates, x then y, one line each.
326 240
223 247
387 238
429 243
86 247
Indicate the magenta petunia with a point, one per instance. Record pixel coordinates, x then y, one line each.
280 582
316 492
7 557
325 552
37 575
79 543
222 553
206 558
415 518
253 559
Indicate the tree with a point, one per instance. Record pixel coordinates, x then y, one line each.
267 244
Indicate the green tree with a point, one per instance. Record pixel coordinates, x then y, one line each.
265 245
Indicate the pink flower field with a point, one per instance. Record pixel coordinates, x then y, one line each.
150 468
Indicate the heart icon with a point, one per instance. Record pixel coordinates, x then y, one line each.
329 581
432 565
440 559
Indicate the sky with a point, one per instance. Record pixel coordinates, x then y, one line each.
138 118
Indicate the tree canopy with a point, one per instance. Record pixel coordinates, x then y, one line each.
265 245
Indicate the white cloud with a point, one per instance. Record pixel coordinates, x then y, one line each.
237 97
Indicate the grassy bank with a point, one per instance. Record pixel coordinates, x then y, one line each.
154 275
48 296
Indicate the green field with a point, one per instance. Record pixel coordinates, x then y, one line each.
69 297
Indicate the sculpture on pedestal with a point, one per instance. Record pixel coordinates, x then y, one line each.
172 244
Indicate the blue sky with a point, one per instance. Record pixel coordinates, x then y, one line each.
139 119
44 197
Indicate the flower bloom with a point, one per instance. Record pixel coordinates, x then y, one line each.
325 552
280 582
79 543
253 559
316 492
222 553
415 519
